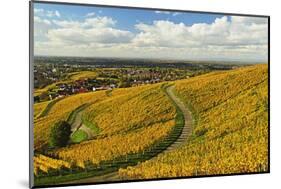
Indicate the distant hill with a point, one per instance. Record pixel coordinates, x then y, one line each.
128 62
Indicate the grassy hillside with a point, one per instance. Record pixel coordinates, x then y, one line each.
230 127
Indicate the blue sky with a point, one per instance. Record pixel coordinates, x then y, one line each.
121 32
127 18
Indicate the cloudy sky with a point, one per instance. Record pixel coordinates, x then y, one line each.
67 30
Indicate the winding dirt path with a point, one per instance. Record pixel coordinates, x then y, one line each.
88 131
186 132
187 129
77 122
78 125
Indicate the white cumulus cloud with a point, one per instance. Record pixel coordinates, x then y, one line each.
94 32
234 32
234 37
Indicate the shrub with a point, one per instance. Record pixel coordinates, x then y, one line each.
60 134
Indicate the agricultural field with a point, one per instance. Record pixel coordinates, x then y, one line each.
151 120
60 111
73 76
137 132
125 118
230 127
39 107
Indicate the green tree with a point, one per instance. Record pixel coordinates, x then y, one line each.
60 134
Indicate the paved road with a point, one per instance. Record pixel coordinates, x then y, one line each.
186 132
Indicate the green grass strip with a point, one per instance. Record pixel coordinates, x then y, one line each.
79 136
93 126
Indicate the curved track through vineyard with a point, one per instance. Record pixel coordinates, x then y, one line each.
78 125
186 132
226 134
230 129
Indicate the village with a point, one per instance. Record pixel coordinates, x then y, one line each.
54 80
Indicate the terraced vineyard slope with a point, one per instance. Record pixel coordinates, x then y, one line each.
123 119
61 110
230 135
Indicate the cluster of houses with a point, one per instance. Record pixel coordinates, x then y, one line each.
108 80
79 86
141 82
45 77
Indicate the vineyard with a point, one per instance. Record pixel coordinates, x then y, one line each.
151 120
131 127
230 135
130 110
44 164
60 111
39 107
